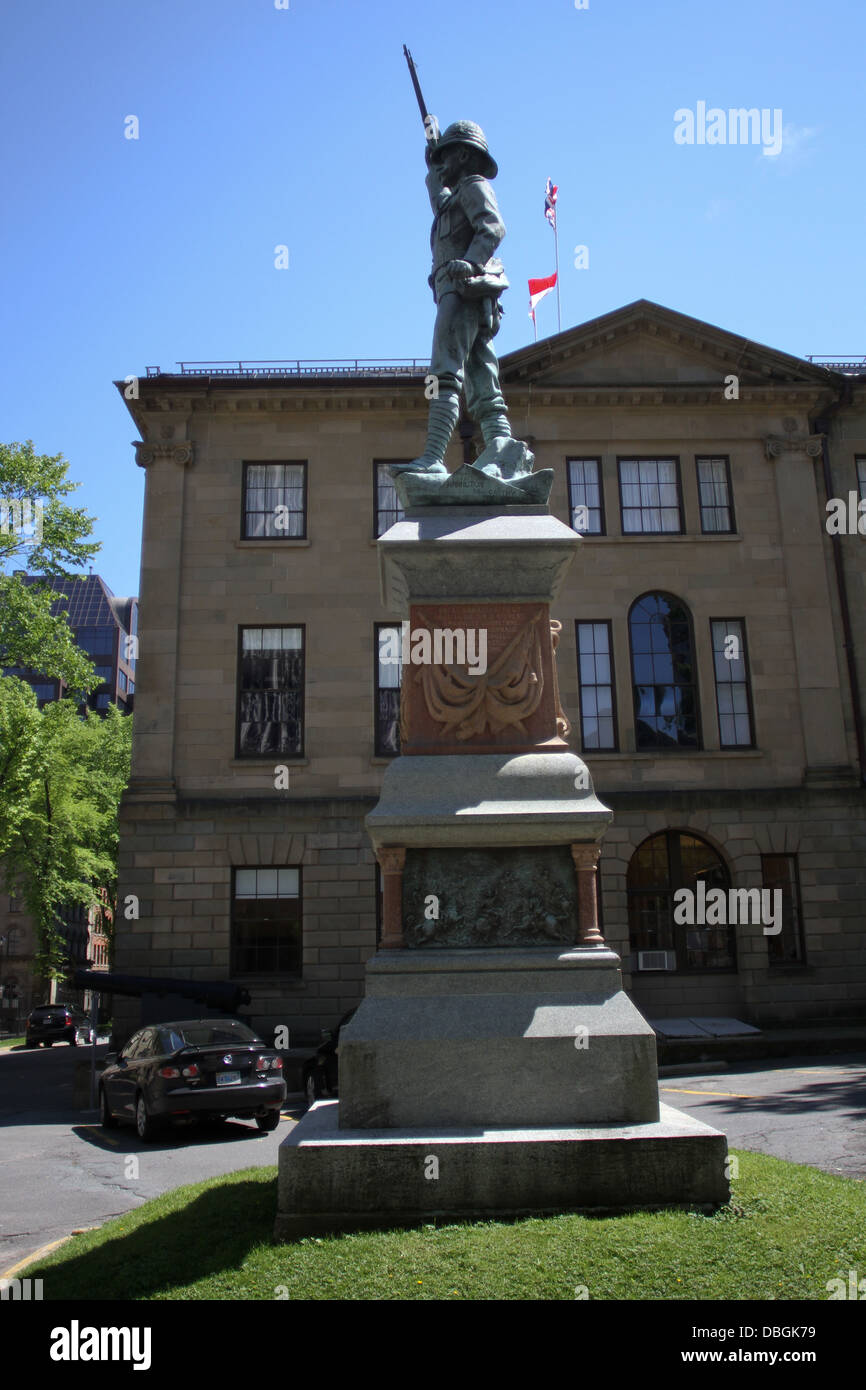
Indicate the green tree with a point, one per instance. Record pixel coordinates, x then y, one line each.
21 751
32 490
63 837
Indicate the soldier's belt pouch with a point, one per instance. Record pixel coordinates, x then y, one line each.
491 282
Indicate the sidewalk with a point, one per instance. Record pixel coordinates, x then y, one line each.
812 1040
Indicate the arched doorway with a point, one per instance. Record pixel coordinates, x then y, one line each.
659 867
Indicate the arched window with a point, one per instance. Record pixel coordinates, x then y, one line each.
659 868
664 678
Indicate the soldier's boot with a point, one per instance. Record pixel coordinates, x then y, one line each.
440 427
503 456
494 425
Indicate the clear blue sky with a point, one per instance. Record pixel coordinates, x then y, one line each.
262 126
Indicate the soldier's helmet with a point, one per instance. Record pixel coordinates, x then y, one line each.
468 133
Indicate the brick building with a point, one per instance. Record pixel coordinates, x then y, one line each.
713 646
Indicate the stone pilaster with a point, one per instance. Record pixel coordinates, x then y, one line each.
586 859
391 862
153 769
809 601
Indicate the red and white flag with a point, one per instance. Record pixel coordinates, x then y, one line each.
538 289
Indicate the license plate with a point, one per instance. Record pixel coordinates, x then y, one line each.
228 1078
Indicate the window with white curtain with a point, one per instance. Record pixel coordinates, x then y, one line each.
649 492
275 501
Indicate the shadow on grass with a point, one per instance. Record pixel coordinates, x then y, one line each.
179 1248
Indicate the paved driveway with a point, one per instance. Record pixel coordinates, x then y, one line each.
808 1110
59 1170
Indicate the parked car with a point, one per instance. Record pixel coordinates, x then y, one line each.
321 1071
199 1068
51 1023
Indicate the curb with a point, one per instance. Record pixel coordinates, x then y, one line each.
11 1272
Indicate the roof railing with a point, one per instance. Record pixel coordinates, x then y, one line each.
855 365
297 366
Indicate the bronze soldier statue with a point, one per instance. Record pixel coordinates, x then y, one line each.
467 282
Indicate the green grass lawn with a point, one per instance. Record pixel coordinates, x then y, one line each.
788 1230
11 1042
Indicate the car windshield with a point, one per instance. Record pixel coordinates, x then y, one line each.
219 1032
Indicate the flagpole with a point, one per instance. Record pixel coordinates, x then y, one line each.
556 248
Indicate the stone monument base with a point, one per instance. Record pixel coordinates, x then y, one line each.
520 1037
333 1179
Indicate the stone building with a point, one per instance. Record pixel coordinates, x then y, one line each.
713 645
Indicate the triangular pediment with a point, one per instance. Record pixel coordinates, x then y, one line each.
646 344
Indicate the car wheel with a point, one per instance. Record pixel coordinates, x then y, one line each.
312 1088
46 1044
269 1121
145 1125
73 1041
108 1120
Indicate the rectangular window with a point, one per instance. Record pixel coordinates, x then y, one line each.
715 495
861 478
650 495
275 501
595 678
267 926
389 669
96 641
788 947
585 498
733 692
271 692
387 510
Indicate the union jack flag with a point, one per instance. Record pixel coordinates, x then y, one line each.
550 196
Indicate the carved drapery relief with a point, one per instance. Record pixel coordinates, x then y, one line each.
500 698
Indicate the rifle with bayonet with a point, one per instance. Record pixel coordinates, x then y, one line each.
431 125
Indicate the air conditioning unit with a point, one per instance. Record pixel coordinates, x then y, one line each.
656 960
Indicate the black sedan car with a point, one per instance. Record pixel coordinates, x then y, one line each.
198 1068
51 1023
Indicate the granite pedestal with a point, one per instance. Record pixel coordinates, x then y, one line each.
495 1066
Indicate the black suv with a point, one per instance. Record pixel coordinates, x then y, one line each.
52 1023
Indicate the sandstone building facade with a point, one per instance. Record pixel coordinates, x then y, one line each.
712 661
